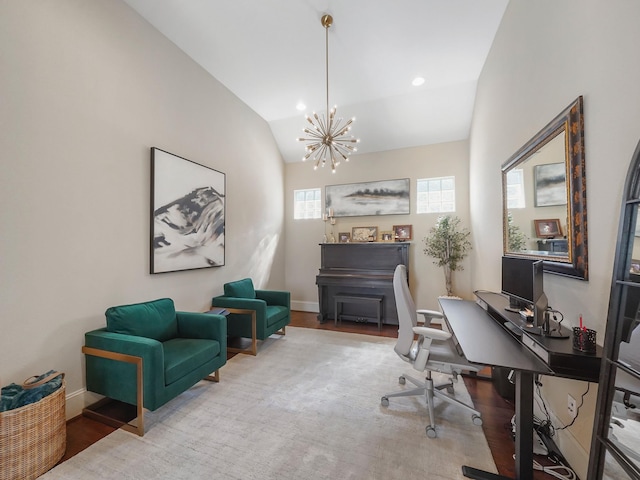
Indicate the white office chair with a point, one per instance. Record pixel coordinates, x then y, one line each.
433 351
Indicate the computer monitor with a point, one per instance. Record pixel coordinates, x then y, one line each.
522 281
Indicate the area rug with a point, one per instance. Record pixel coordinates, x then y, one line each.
306 407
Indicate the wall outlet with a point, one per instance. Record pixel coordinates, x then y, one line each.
571 405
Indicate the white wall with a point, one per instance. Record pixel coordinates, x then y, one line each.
87 89
545 55
303 236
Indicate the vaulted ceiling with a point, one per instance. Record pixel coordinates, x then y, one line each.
271 54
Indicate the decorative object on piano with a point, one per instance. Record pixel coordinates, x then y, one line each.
550 184
387 236
548 228
364 234
449 244
402 232
329 216
327 136
344 237
187 214
332 220
385 197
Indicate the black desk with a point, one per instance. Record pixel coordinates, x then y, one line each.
484 339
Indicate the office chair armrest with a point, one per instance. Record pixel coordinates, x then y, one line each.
432 333
428 316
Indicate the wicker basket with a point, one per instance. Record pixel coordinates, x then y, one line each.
33 438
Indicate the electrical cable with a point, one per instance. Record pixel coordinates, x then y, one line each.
545 426
577 409
555 470
554 313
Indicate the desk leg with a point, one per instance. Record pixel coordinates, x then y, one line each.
524 425
524 433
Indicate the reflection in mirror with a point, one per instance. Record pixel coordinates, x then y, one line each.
624 424
544 198
536 188
634 265
613 471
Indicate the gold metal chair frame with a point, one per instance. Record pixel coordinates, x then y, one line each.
253 350
137 361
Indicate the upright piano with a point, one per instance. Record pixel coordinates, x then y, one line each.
359 269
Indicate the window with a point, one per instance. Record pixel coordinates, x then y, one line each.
436 195
515 188
307 203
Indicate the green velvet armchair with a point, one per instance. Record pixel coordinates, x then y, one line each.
254 314
148 354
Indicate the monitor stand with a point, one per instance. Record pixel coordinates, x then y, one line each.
546 330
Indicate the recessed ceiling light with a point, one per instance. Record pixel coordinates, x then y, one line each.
417 81
300 106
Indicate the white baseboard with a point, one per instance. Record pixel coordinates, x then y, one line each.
305 306
77 400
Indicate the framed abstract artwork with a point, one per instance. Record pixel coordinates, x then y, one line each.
187 214
550 185
386 197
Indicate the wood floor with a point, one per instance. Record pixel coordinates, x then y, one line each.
496 412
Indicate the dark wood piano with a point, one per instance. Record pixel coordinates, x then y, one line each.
359 269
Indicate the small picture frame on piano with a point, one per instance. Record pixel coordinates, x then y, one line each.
387 236
364 234
402 232
344 237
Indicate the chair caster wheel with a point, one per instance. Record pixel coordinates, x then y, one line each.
476 419
402 380
431 432
384 401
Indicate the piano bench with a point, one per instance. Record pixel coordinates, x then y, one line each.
341 298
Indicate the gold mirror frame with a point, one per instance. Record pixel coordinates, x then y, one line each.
570 122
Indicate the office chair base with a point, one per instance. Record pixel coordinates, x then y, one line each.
429 391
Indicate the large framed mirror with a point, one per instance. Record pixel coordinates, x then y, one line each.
544 197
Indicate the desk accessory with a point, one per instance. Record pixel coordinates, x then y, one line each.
584 339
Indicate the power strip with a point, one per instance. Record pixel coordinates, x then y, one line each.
539 446
552 448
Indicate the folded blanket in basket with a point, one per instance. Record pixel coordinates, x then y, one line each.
15 396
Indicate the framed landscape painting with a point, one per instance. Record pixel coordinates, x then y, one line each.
386 197
550 185
187 214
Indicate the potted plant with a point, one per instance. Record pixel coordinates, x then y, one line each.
517 240
449 245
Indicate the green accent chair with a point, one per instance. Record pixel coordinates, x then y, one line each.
254 314
148 354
